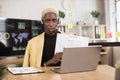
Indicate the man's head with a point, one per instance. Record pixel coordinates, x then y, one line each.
50 20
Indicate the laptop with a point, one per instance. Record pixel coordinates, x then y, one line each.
79 59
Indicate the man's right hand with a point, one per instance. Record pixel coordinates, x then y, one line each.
55 59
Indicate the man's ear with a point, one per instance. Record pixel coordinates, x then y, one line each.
58 21
41 21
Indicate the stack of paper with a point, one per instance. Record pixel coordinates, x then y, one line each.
24 70
65 40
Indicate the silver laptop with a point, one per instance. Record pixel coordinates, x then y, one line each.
79 59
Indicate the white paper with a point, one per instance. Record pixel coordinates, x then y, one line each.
65 40
23 70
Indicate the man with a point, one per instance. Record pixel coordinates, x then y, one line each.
40 49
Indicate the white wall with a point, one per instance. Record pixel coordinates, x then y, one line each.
31 9
110 18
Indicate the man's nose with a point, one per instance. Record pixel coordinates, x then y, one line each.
51 23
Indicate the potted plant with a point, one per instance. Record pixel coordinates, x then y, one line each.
2 67
61 15
95 14
117 70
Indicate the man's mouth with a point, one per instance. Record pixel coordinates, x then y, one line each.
51 28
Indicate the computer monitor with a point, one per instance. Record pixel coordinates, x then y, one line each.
15 34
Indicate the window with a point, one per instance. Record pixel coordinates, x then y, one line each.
118 17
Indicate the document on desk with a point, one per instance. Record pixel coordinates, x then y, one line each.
24 70
66 40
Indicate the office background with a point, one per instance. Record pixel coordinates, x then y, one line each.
28 9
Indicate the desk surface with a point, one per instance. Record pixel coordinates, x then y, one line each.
103 72
11 61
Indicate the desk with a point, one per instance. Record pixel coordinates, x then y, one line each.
103 72
11 61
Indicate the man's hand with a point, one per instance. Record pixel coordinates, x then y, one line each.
57 57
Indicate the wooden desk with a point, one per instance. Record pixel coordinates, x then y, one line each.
11 61
103 72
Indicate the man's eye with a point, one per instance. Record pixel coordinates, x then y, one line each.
47 20
54 20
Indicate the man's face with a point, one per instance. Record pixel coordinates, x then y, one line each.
50 22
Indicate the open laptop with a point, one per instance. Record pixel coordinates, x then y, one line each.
79 59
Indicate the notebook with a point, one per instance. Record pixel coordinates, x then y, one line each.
79 59
24 70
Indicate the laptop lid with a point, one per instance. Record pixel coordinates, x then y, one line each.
80 59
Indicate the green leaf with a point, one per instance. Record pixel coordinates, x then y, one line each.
95 14
61 14
117 64
2 67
